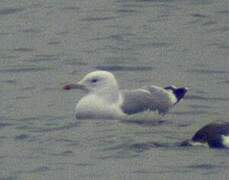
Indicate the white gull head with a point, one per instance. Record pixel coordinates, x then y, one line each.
101 83
103 98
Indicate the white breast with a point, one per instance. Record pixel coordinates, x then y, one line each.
92 106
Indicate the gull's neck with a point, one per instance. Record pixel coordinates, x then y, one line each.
110 94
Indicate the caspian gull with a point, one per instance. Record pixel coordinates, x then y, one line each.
105 100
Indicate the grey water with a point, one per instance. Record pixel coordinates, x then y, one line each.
47 44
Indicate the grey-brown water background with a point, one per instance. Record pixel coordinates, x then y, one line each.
46 44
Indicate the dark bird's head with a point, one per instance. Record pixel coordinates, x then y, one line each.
215 134
178 92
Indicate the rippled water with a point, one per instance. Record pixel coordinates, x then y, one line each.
46 44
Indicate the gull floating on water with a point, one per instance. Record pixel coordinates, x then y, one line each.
105 100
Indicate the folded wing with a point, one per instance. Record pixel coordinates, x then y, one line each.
152 98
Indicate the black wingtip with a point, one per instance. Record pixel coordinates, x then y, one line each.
178 92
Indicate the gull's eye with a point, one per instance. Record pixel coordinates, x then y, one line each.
94 80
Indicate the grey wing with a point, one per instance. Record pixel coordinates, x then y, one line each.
139 100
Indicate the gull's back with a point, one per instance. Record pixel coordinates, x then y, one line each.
152 98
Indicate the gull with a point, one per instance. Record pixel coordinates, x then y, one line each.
104 99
